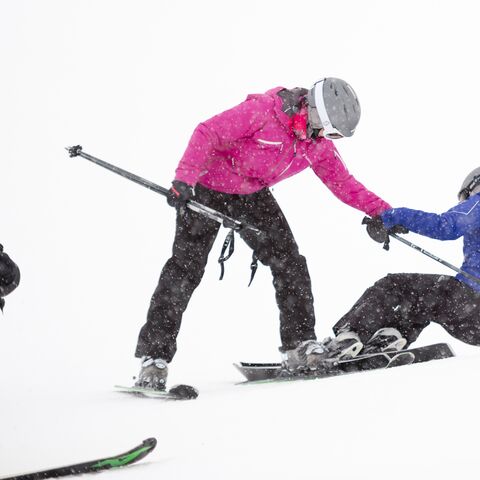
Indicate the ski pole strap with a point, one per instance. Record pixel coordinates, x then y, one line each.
253 267
230 244
386 243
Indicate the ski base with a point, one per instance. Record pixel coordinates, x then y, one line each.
255 372
178 392
116 461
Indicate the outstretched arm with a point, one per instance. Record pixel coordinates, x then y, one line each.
329 167
445 226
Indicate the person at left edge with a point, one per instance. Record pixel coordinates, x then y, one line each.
9 276
230 162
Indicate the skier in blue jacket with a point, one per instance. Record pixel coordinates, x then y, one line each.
391 314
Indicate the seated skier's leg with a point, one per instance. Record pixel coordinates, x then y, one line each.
460 314
390 314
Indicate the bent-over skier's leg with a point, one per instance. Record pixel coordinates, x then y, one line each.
276 248
181 274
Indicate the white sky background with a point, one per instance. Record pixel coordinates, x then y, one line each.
129 81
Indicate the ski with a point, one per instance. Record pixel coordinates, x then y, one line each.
116 461
178 392
265 372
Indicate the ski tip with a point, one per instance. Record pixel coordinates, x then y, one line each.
151 443
184 392
142 450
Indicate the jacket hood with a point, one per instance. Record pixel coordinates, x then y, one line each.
277 104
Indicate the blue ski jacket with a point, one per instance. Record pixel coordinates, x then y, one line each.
463 220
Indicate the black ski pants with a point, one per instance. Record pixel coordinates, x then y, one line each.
194 237
410 301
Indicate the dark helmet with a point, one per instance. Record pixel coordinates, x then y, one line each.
9 276
333 105
470 186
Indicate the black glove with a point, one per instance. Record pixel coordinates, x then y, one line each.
179 194
379 232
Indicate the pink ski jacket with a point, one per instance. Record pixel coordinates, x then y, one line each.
252 146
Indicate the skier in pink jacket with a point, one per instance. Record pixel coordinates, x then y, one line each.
230 162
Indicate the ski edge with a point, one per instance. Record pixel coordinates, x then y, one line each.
143 392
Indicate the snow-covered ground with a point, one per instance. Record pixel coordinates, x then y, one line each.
418 420
129 81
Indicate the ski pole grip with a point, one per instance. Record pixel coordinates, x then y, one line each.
74 151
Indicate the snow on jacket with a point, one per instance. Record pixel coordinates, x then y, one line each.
252 146
463 220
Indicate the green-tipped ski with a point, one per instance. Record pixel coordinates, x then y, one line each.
116 461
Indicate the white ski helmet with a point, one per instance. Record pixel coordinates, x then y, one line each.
470 186
333 105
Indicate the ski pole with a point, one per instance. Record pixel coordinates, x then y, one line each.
434 257
225 220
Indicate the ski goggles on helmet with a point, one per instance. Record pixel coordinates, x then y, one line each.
469 185
317 112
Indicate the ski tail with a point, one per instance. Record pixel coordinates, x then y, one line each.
92 466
